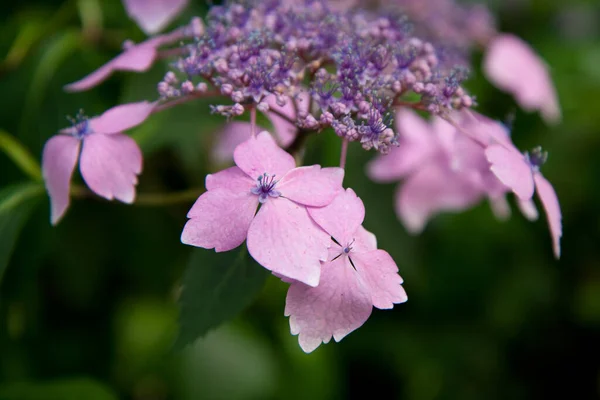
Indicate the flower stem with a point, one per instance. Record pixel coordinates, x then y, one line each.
149 199
184 99
413 105
344 154
253 120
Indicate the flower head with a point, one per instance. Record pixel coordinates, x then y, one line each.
280 236
355 278
109 160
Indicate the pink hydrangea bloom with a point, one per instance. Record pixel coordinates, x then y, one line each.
138 58
108 160
355 278
521 173
443 170
513 66
154 15
281 236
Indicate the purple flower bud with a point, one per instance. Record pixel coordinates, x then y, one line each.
237 109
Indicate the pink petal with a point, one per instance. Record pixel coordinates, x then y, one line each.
416 145
380 272
233 179
484 130
220 219
528 209
110 164
283 128
312 186
513 66
342 217
154 15
138 58
340 304
260 154
431 190
549 200
512 169
363 240
58 163
121 118
285 240
232 135
500 207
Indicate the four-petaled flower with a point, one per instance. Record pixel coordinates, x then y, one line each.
109 161
281 236
521 173
356 277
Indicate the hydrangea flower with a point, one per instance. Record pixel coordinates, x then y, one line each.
108 160
154 15
281 236
515 68
355 278
444 170
521 173
136 57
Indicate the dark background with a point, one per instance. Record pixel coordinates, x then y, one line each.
87 309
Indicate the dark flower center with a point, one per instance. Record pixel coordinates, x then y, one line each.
265 187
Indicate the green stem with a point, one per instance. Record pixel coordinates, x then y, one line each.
149 199
20 156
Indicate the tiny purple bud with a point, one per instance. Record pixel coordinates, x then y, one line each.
237 109
227 89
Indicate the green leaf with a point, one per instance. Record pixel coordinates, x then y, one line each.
66 389
16 205
216 287
59 48
20 155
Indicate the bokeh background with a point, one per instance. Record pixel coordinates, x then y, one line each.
88 308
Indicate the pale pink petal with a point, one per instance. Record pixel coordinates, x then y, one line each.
528 209
363 240
416 145
121 118
138 58
280 117
312 186
339 305
500 207
220 219
110 164
233 179
380 272
260 154
484 130
232 135
431 190
154 15
285 240
58 163
513 66
549 200
342 217
512 169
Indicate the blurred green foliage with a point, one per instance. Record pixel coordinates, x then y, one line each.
87 309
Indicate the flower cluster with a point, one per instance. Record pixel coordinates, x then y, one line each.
357 69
